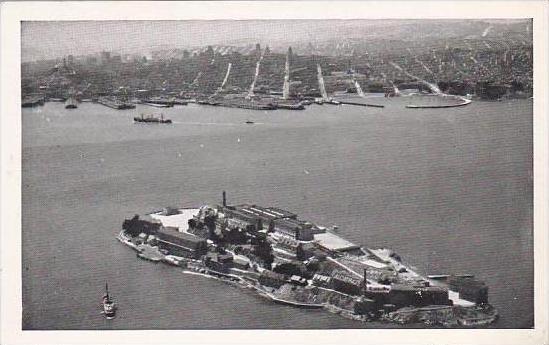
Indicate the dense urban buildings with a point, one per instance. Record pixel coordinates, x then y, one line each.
488 66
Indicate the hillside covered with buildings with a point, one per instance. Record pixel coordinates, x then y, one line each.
487 60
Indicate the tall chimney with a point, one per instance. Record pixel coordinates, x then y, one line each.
224 199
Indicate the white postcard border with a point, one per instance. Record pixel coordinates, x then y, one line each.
13 13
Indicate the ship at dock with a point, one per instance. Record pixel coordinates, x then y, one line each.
164 102
32 101
71 103
115 103
239 102
290 105
296 262
158 105
246 104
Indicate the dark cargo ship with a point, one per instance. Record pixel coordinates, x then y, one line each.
151 119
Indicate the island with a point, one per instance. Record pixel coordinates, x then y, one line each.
295 262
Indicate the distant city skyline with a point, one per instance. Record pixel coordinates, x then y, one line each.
53 39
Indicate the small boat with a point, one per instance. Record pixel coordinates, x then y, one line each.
152 119
158 105
291 106
109 307
250 122
71 103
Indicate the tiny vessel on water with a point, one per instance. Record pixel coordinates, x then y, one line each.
109 307
158 105
152 119
249 122
290 106
164 102
159 102
70 103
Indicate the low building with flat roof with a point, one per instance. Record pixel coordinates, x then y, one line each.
321 280
266 214
333 243
238 218
181 243
271 212
178 218
294 228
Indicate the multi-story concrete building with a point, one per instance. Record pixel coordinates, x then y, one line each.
180 243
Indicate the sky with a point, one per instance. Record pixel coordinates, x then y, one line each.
53 39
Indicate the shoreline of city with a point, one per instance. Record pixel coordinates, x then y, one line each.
266 78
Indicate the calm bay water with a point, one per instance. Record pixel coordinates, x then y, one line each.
449 189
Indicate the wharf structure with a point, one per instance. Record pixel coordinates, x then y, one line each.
115 103
265 81
32 101
299 263
497 67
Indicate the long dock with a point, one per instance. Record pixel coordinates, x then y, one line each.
244 104
115 104
361 104
158 105
433 106
32 101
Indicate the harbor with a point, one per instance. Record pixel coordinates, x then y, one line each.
33 101
115 103
382 182
336 87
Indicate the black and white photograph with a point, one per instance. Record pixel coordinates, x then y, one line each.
290 173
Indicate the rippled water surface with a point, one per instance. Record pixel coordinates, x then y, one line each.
449 189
